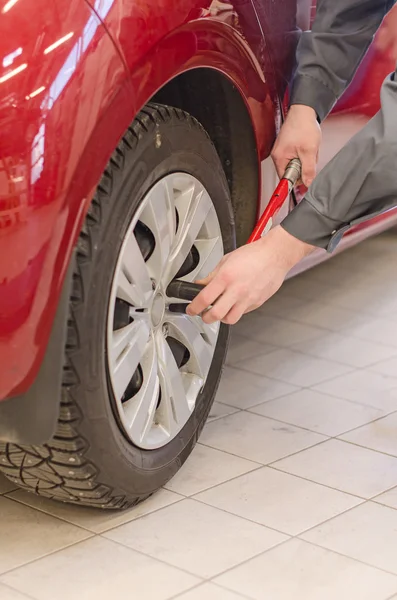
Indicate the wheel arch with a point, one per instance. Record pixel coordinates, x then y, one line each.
217 104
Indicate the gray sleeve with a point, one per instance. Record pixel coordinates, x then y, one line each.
359 183
329 54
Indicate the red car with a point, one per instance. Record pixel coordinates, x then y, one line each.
134 144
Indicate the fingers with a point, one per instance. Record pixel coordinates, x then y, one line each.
220 309
207 297
280 162
308 158
235 314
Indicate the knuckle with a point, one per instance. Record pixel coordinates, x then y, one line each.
216 314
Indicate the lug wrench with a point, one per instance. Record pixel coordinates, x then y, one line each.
184 290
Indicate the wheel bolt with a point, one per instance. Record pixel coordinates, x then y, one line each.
153 284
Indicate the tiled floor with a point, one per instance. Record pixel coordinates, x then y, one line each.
291 493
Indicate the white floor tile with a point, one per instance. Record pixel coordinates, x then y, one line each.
381 435
282 305
366 533
275 331
97 570
387 367
346 350
388 498
210 591
318 412
281 501
207 467
294 367
376 330
299 571
242 347
27 534
325 316
344 467
364 387
257 438
307 289
197 538
6 593
93 519
243 390
219 410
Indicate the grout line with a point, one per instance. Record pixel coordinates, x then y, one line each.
329 436
195 587
221 587
160 560
95 533
44 556
366 447
362 562
233 514
258 467
314 386
344 512
23 594
349 372
272 466
247 560
278 459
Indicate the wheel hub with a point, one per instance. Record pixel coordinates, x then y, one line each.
158 360
158 309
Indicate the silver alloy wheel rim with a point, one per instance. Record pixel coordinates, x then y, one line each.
179 214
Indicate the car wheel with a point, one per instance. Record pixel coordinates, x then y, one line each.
139 379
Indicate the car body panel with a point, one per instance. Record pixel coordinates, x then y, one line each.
49 134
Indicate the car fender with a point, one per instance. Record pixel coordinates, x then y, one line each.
49 164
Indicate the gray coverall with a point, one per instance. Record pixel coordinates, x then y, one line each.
361 180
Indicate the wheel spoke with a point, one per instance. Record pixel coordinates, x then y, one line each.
127 347
193 208
211 253
159 216
133 281
210 332
186 330
141 409
174 408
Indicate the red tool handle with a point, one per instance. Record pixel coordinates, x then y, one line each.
288 181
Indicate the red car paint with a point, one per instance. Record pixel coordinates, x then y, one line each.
72 78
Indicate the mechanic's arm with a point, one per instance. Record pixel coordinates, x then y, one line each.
248 277
361 180
328 57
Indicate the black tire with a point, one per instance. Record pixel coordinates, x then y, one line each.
89 461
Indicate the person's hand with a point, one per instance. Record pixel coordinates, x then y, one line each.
247 277
300 137
386 40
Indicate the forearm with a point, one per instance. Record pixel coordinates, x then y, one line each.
360 182
329 54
